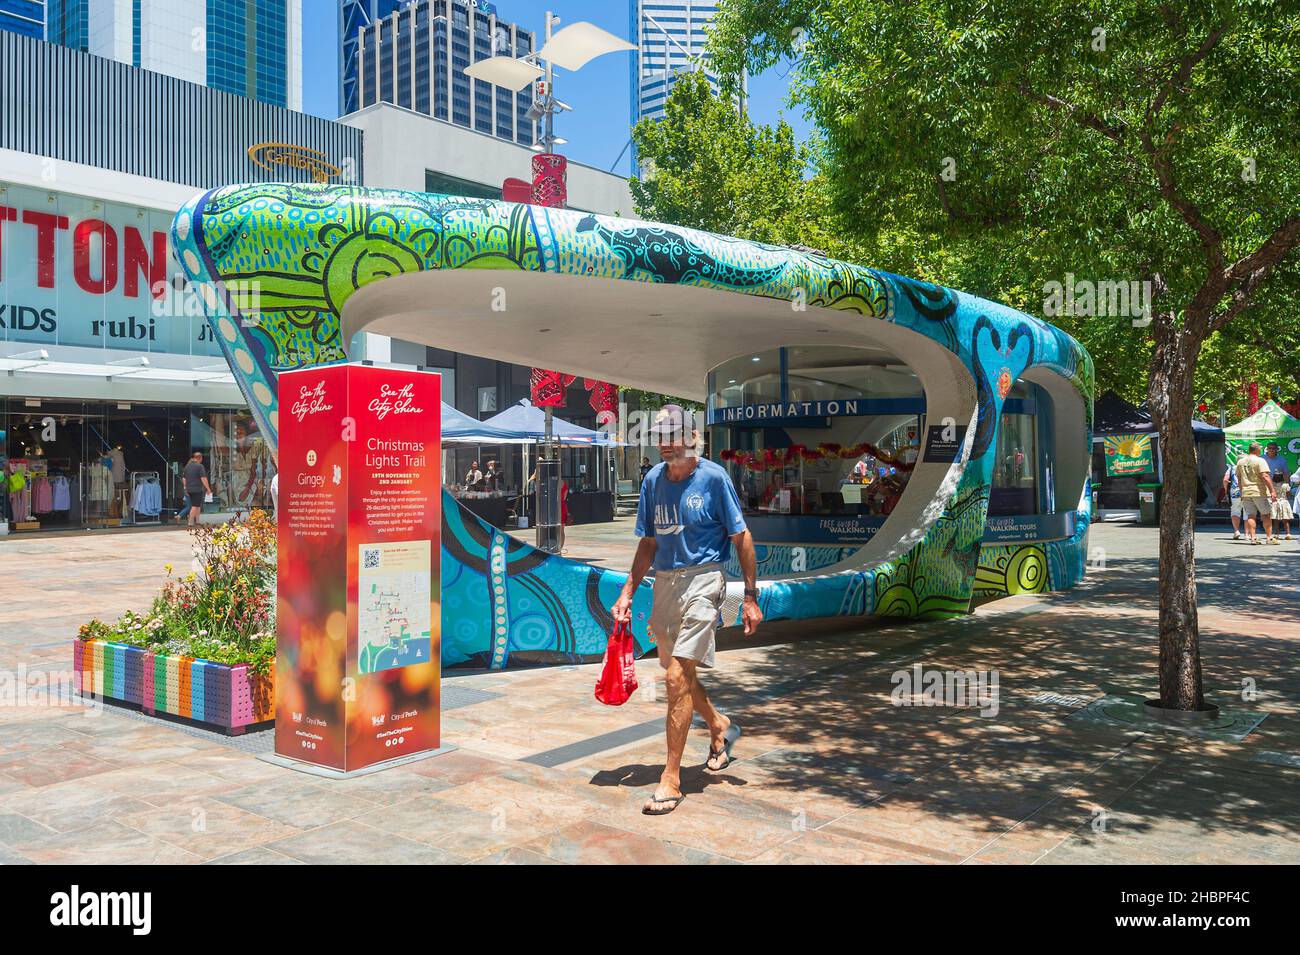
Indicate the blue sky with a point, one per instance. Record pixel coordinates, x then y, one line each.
597 129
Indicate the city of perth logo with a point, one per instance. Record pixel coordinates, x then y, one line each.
270 155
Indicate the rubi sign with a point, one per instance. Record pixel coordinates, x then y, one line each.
359 610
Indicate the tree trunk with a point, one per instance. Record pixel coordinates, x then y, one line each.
1172 369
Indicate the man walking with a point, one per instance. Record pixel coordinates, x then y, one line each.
688 518
1257 493
197 487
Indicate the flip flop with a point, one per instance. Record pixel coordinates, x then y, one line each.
728 740
674 802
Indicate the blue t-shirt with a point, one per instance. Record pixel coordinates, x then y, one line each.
692 521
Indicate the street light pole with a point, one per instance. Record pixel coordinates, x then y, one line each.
548 474
571 48
548 135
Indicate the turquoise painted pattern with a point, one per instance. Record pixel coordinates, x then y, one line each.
275 264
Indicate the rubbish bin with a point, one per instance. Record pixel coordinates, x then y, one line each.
1149 504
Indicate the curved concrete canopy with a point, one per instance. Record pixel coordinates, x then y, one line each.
663 338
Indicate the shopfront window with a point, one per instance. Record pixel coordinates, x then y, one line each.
237 456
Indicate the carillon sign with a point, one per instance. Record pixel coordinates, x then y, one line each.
270 155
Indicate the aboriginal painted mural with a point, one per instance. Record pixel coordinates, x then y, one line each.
275 264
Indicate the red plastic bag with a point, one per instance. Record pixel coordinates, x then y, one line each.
617 680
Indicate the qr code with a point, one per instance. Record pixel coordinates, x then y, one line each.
370 559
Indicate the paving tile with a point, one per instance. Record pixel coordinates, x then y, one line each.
70 805
15 829
388 787
697 824
106 843
351 843
590 843
297 802
515 855
207 827
460 766
162 783
12 857
817 847
422 818
258 855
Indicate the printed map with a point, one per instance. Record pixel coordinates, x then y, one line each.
393 593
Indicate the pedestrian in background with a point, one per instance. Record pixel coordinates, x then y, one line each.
197 487
1257 493
1281 474
1232 493
1282 510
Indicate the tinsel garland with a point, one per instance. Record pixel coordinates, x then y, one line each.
775 459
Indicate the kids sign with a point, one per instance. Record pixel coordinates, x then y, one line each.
359 611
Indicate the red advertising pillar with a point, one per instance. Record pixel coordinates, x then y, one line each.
358 627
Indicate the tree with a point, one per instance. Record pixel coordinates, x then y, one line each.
1029 140
706 166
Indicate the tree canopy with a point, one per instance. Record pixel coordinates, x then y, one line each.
1001 146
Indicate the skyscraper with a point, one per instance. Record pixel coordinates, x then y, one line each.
23 16
416 57
670 37
251 48
354 16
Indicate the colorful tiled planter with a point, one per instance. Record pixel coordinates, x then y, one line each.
231 697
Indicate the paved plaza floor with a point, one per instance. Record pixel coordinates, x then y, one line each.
830 769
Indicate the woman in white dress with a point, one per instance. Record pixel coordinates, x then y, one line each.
1283 513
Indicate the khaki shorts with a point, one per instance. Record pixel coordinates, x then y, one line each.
684 614
1250 506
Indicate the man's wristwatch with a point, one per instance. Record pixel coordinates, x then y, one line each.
751 592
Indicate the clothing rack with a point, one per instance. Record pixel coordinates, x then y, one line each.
146 497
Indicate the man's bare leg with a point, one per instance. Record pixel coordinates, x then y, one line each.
677 681
716 722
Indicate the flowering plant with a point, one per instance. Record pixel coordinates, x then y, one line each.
223 611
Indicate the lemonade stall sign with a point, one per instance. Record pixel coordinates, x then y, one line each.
1128 454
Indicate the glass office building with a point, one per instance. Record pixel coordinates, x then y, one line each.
416 56
250 48
670 38
26 17
354 16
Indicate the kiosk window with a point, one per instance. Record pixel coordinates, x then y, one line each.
1015 467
